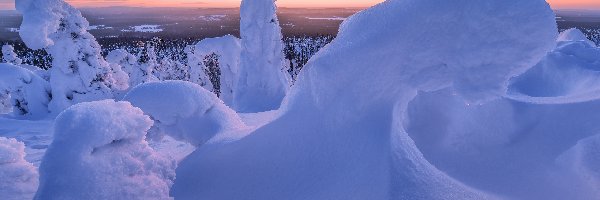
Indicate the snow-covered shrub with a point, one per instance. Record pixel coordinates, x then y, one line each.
228 49
100 152
23 92
341 131
184 111
262 83
9 55
146 63
18 178
79 73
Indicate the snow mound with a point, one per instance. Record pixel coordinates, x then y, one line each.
99 152
262 81
569 74
23 92
341 135
19 177
572 35
228 48
184 111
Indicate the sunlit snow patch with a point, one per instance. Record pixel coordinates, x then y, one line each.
146 29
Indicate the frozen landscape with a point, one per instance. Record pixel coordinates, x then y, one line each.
412 99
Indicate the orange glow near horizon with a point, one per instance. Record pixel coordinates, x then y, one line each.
9 4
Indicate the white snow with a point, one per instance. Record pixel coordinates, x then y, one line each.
340 134
414 99
100 152
212 18
327 18
262 82
185 111
19 177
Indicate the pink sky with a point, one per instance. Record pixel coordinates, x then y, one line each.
8 4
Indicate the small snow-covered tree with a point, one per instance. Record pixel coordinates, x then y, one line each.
9 55
197 68
79 73
146 63
263 82
22 92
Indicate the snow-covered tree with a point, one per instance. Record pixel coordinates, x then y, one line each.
197 68
79 73
9 55
22 92
263 82
222 60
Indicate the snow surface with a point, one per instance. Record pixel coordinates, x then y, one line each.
19 178
340 134
147 28
262 83
185 111
100 152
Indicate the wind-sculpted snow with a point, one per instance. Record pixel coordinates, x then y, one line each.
568 74
341 132
79 73
185 111
100 152
228 48
262 81
23 93
19 178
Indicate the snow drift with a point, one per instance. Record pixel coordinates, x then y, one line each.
19 177
184 111
341 133
100 152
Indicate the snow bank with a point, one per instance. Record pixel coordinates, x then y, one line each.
229 49
341 132
9 55
23 92
99 152
568 74
582 160
184 111
262 81
19 177
79 73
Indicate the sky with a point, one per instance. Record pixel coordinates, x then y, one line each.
9 4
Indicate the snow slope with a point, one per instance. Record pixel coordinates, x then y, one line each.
340 134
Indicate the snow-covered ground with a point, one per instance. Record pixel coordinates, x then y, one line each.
415 99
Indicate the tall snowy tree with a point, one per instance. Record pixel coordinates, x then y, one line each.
79 73
263 82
